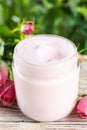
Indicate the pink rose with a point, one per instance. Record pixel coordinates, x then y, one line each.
7 93
82 107
3 75
7 90
27 28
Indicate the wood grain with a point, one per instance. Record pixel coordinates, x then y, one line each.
11 118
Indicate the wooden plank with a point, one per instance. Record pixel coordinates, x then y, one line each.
11 118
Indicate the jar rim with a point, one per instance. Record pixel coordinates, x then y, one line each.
47 65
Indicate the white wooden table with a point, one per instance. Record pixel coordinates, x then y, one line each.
11 118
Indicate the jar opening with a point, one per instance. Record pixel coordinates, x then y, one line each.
20 48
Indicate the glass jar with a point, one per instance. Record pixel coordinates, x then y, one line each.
46 92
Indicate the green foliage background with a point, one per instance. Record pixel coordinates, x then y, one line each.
67 18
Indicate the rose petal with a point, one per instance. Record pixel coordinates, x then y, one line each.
3 75
7 93
82 107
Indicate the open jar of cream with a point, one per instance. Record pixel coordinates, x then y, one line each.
46 76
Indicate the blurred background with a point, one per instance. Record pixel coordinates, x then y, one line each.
67 18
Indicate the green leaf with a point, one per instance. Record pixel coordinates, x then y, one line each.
5 31
60 2
85 45
82 50
1 47
82 10
47 4
1 15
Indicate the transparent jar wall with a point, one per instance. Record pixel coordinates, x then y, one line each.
46 100
46 93
47 72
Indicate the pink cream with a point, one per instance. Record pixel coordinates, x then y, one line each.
46 77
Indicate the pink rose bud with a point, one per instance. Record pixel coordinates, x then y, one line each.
82 107
7 93
27 28
3 75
